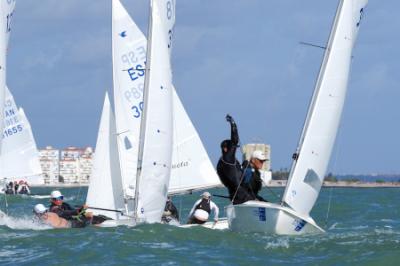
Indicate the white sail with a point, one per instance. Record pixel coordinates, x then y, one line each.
129 56
3 51
191 166
8 6
155 152
324 114
105 188
19 155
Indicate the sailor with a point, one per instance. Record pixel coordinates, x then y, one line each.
79 215
202 209
251 180
52 219
23 188
15 186
229 169
10 188
170 212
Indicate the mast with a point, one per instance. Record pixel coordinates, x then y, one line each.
144 113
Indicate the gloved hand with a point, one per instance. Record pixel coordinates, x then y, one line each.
229 119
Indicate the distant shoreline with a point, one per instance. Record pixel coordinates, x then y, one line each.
344 184
60 185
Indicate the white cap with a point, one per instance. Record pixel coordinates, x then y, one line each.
55 194
39 209
260 155
206 195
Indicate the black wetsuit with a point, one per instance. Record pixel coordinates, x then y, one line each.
170 207
229 169
76 216
65 211
9 189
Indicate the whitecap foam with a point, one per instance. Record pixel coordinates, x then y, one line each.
23 223
40 196
279 243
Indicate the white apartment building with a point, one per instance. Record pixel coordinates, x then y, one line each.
71 165
49 158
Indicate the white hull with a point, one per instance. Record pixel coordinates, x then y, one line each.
270 218
222 224
115 223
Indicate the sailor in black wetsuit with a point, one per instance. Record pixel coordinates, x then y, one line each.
170 212
229 169
252 181
78 217
10 188
201 210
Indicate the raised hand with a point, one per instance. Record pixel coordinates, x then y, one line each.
229 119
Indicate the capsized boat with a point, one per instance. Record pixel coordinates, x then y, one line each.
292 216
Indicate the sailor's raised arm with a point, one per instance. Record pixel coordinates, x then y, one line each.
234 130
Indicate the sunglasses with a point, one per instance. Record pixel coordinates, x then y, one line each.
58 198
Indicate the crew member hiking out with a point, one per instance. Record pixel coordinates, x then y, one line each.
64 210
229 169
201 210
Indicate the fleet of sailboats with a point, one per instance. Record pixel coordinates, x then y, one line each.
292 216
147 147
186 163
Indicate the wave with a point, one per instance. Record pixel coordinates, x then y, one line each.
23 223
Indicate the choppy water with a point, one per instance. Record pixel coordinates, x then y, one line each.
363 228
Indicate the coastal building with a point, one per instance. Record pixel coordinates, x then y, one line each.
49 158
76 165
69 166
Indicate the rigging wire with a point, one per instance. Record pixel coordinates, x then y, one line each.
335 162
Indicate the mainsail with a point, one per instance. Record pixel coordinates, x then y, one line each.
105 188
129 56
323 118
191 166
155 150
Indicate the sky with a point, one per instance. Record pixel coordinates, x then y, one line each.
240 57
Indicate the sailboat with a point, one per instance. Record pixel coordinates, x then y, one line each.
191 167
19 157
6 13
292 216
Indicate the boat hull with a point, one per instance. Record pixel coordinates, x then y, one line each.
270 218
222 224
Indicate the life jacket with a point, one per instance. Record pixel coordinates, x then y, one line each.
204 205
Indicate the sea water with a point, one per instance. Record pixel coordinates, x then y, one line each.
363 228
